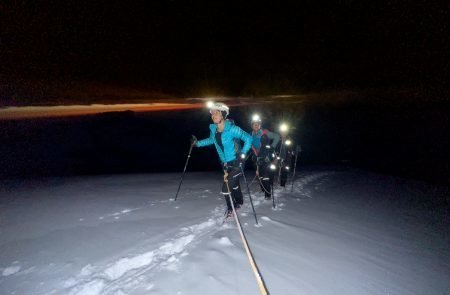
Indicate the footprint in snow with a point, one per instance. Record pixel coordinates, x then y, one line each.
225 241
13 269
87 270
266 218
278 207
116 215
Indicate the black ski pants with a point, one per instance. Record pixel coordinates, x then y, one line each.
283 174
266 176
234 173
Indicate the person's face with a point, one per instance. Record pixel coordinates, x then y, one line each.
256 126
216 116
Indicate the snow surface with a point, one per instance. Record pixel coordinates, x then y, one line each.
339 232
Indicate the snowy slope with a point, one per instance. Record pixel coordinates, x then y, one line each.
339 232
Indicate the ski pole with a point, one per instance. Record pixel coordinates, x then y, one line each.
280 164
298 149
256 272
248 189
184 170
273 197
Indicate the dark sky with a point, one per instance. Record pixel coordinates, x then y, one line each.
189 47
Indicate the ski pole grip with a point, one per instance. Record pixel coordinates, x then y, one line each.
193 140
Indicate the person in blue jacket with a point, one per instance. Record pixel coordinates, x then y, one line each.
223 135
264 143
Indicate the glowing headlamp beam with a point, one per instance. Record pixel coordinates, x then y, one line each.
256 118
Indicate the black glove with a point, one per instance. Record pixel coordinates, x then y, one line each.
194 140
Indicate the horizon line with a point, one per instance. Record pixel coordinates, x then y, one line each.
35 112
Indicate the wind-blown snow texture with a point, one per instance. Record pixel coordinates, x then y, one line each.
339 232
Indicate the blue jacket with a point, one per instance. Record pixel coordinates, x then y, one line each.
230 132
270 136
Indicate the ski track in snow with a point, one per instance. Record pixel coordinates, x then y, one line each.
130 272
301 184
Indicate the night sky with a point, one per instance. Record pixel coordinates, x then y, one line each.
369 81
196 48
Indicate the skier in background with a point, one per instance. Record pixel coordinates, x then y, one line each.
286 157
264 143
223 134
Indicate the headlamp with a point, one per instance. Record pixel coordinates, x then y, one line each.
284 127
